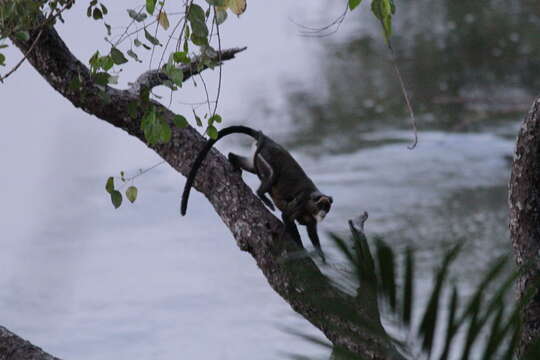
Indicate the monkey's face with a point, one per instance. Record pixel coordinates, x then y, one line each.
322 207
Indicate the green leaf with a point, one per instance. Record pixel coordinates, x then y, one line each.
354 3
212 132
150 38
116 198
408 287
196 13
109 186
105 62
113 80
387 270
151 127
2 59
104 9
429 320
22 35
75 84
199 40
94 61
166 132
137 16
131 194
199 29
237 6
137 42
181 57
175 74
118 57
134 56
451 325
97 14
221 16
101 78
214 118
163 20
180 121
197 118
387 26
150 6
217 2
383 11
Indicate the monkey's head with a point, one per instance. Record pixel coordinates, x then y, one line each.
321 205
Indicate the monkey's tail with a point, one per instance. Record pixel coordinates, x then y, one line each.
202 155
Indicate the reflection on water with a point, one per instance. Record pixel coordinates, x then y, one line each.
470 71
466 64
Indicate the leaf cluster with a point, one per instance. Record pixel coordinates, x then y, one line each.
487 322
116 195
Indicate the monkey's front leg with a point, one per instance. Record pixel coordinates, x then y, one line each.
314 237
290 227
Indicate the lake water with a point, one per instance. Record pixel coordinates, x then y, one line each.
85 281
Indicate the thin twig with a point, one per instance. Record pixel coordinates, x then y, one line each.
316 31
139 29
142 172
206 92
220 64
155 35
188 9
127 28
406 96
169 40
2 78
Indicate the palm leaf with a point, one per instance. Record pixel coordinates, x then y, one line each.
429 320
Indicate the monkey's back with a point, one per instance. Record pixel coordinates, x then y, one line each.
290 179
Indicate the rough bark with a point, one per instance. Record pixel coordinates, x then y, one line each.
153 78
524 203
13 347
343 318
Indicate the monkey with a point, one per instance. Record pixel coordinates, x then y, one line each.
291 190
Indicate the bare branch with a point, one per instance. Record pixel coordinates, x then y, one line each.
153 78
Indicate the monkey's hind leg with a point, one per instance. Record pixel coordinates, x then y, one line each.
267 177
240 163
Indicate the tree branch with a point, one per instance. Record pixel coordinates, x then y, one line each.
524 204
336 313
156 77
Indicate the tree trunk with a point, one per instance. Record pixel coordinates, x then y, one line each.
12 347
524 203
347 320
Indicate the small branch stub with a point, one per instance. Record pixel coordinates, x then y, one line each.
157 77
